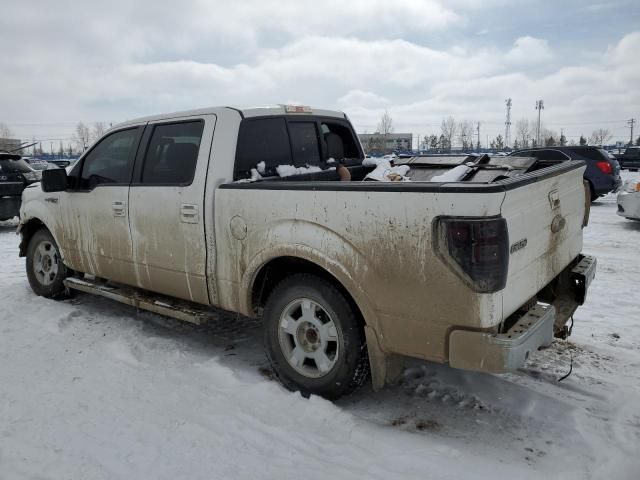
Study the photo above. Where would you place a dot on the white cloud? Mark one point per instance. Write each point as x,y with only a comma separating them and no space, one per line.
360,98
529,50
363,57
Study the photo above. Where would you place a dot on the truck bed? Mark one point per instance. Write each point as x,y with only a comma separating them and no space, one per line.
379,240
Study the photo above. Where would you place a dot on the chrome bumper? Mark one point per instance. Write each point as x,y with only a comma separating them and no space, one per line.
502,352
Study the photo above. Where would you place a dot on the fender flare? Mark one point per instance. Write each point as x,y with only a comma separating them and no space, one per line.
312,255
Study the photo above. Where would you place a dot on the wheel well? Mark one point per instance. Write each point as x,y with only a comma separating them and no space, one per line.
276,270
26,232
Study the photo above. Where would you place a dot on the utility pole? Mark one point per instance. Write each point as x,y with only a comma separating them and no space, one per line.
478,144
539,107
507,129
631,122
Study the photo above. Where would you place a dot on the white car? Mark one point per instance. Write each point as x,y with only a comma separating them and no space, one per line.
629,201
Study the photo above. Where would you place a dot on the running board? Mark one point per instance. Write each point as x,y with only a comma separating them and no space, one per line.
179,309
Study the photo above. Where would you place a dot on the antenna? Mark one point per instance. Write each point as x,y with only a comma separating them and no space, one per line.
631,122
539,107
507,123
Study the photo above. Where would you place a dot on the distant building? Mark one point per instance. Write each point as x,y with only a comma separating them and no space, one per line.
386,143
8,144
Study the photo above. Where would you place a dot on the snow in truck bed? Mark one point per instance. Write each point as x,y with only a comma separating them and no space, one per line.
90,389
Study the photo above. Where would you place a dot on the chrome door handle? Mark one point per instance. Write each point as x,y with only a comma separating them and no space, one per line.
119,209
189,213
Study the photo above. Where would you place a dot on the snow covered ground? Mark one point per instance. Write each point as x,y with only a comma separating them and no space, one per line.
90,389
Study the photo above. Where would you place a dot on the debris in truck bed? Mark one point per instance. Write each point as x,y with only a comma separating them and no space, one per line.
384,172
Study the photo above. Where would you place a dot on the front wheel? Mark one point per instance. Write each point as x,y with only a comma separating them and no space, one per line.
314,338
45,269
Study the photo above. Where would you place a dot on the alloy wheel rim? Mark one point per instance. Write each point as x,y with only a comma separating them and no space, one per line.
45,263
308,338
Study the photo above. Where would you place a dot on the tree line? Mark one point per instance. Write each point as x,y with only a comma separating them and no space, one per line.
463,135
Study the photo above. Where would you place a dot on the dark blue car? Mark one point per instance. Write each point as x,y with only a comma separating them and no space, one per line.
603,171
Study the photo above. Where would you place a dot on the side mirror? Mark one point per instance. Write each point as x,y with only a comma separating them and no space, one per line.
54,180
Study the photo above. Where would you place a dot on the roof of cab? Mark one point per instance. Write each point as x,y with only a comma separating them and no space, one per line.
246,112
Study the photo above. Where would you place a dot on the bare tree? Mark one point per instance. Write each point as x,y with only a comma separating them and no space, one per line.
82,136
98,130
600,136
5,131
465,133
523,132
385,125
448,128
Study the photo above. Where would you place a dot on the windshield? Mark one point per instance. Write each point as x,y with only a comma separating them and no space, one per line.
14,166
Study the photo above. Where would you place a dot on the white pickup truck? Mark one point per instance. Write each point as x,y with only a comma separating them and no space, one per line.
182,212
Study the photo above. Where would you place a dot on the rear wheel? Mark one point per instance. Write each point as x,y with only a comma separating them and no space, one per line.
45,269
314,338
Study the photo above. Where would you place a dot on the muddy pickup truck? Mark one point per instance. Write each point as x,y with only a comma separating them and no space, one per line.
271,212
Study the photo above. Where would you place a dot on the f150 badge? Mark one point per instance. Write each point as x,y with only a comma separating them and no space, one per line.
519,245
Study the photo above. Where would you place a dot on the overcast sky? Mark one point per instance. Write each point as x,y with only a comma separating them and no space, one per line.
67,61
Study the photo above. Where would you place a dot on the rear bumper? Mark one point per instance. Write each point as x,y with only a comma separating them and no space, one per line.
610,185
503,352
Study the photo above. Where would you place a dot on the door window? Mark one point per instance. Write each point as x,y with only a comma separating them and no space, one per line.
173,153
110,161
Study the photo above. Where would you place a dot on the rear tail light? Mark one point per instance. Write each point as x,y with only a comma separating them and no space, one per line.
477,250
605,167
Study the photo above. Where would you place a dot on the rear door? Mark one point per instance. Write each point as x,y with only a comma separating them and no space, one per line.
167,209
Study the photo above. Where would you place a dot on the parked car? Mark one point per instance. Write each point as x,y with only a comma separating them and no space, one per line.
629,201
630,159
257,216
602,172
40,165
15,175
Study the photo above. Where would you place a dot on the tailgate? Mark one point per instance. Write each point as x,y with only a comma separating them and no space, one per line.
545,220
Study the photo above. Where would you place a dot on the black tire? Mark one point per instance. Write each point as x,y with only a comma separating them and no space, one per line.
45,271
350,364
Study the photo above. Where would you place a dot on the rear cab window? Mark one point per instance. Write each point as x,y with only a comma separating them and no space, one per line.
298,141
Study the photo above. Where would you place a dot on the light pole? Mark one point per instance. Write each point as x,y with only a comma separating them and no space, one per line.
539,107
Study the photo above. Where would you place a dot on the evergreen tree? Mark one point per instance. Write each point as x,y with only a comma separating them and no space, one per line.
583,141
563,140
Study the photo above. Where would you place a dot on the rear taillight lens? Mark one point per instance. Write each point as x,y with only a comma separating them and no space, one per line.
605,167
476,249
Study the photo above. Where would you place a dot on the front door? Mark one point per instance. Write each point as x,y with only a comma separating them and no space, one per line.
167,209
94,211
